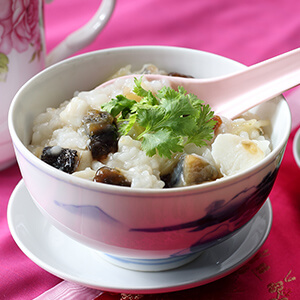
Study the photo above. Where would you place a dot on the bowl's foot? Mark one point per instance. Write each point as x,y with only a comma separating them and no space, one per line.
150,265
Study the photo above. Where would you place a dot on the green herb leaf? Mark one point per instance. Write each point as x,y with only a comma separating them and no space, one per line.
161,142
119,104
166,122
149,98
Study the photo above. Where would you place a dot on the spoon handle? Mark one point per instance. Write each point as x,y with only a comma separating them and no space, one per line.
236,93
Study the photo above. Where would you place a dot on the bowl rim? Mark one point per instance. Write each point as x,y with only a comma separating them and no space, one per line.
113,189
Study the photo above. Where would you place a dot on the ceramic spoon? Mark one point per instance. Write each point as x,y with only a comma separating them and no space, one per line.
236,93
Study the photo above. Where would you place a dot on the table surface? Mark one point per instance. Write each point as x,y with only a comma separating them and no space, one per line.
246,31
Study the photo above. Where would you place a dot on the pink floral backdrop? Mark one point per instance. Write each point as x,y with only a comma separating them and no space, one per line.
20,23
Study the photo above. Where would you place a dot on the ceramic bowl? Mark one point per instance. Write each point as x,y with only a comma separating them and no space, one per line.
141,229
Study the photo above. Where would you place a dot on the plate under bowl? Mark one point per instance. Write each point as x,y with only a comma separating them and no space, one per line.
62,256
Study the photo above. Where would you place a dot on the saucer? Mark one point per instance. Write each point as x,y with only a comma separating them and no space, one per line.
62,256
296,147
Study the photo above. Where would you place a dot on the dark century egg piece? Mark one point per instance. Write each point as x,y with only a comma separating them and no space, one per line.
102,130
111,176
191,169
60,158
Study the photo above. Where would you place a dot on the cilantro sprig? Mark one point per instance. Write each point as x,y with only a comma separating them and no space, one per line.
166,121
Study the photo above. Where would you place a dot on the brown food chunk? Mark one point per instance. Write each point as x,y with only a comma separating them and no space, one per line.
101,127
190,170
197,170
219,122
111,176
175,74
63,159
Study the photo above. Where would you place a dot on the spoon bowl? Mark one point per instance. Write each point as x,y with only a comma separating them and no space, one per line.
232,95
